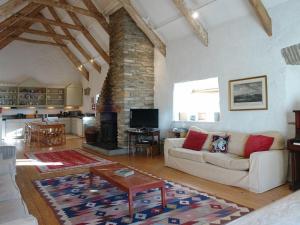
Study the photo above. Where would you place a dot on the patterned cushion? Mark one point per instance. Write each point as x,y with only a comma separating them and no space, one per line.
219,143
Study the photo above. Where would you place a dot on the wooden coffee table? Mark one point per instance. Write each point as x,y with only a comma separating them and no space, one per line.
132,184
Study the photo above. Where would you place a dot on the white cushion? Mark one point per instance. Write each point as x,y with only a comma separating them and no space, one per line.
8,188
12,210
187,154
7,166
237,141
207,143
227,161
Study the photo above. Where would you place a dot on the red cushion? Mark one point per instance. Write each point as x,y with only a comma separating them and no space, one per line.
194,140
257,143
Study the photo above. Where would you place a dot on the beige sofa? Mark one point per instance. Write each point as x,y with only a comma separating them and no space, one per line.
13,210
261,172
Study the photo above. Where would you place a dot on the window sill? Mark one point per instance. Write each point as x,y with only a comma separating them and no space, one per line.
199,121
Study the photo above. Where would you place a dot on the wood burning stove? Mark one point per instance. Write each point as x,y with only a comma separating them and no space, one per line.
108,135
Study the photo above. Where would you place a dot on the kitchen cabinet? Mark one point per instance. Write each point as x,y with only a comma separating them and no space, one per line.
15,128
67,123
73,95
77,127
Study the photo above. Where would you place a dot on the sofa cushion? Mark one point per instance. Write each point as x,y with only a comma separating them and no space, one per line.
257,143
237,142
8,188
194,140
208,142
187,154
219,143
228,161
12,210
279,141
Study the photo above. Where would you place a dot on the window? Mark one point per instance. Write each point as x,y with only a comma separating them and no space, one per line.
197,100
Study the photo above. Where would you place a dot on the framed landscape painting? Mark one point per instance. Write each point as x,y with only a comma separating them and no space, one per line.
248,94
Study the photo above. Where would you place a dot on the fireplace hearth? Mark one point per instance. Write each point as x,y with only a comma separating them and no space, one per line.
108,135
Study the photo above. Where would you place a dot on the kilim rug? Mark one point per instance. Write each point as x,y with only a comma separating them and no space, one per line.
75,202
64,159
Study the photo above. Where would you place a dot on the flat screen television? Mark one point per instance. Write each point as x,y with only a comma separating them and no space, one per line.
144,118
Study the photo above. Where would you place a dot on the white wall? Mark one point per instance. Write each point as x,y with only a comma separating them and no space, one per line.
47,64
236,50
95,84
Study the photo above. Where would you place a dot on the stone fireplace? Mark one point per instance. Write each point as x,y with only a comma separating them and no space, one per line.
130,79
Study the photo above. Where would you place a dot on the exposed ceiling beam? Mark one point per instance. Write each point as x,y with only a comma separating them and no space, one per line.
74,41
41,33
153,37
5,40
197,27
112,7
8,7
263,15
49,22
88,36
12,20
99,17
38,41
69,54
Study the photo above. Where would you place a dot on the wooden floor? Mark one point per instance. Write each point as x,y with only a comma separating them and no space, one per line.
39,208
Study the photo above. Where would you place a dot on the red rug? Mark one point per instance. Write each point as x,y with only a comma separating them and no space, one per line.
63,159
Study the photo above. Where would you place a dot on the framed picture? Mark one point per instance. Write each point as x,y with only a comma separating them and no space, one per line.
87,91
248,94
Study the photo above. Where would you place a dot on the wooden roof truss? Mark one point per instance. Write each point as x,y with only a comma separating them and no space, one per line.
21,20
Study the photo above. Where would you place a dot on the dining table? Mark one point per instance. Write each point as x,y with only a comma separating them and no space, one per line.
45,133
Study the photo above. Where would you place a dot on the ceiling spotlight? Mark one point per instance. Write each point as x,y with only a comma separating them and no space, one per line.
195,15
91,60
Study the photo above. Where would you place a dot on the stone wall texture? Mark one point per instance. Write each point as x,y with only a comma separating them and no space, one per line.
130,80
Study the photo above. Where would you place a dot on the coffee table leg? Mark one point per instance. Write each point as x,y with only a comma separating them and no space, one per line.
163,196
91,178
130,203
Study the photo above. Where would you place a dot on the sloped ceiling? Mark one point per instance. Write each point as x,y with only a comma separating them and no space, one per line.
161,15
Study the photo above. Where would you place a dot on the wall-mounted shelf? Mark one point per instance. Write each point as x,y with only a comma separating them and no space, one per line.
31,97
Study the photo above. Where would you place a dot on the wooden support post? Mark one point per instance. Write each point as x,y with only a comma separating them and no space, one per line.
75,9
197,27
48,22
88,36
38,41
41,33
69,54
74,42
100,18
263,15
153,37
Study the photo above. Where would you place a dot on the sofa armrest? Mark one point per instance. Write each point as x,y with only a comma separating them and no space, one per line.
268,170
172,143
29,220
8,160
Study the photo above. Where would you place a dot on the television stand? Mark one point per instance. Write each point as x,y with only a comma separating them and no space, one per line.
138,138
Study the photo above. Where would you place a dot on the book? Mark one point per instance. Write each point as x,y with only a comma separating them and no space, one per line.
124,172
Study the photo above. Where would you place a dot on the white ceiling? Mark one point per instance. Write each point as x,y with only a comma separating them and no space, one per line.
166,19
162,16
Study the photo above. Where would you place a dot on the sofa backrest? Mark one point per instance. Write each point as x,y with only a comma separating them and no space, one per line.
238,140
207,143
